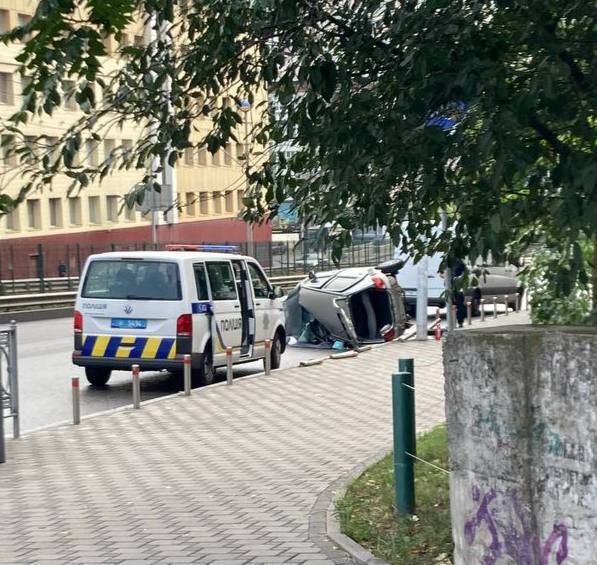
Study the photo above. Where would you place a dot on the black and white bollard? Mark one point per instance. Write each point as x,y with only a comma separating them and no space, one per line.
229,365
517,303
469,313
482,309
268,356
76,401
494,307
506,302
136,387
187,375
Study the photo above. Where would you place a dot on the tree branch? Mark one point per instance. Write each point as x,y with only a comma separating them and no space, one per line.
575,70
548,135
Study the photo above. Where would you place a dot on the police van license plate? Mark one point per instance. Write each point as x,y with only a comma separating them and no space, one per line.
129,323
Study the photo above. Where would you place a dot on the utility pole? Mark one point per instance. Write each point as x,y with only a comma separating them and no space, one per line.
245,107
158,33
422,297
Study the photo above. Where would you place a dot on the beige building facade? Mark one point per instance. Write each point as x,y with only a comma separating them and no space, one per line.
208,188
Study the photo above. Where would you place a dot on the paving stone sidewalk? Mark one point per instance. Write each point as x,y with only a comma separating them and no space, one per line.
227,476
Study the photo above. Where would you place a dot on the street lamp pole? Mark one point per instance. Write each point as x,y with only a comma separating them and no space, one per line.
245,107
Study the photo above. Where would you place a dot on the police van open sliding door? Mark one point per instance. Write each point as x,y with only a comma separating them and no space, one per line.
227,316
247,308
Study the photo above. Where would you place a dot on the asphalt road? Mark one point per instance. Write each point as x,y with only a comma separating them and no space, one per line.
45,371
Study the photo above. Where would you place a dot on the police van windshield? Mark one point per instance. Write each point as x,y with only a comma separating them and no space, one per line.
132,280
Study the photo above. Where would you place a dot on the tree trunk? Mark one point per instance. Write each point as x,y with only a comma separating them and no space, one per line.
594,283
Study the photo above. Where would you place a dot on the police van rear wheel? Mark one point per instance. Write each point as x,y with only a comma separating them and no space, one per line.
97,376
205,374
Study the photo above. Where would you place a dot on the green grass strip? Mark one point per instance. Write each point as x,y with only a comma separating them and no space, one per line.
366,512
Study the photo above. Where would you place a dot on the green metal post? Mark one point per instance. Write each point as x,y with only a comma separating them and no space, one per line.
403,403
408,366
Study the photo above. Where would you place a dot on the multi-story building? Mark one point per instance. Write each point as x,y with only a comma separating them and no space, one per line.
207,189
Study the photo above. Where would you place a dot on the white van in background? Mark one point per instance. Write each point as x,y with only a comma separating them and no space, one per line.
151,308
499,281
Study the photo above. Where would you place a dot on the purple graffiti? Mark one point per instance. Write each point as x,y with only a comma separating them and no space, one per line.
507,539
484,515
560,533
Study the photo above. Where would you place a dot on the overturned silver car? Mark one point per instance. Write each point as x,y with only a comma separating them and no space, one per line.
352,306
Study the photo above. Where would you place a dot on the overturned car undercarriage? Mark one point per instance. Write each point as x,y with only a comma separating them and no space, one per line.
347,307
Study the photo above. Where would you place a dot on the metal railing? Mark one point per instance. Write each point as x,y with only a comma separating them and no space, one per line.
66,299
9,388
37,268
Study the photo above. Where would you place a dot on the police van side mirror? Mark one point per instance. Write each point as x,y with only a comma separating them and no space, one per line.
276,292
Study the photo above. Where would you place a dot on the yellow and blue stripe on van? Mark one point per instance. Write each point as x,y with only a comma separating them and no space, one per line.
129,347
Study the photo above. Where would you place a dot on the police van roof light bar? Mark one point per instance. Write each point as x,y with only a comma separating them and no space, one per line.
203,247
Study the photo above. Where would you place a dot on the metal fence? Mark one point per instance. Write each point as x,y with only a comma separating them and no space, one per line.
50,267
9,389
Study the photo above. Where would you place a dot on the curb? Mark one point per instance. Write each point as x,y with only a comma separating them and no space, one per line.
324,529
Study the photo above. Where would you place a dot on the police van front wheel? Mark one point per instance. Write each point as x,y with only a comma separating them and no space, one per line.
276,352
97,376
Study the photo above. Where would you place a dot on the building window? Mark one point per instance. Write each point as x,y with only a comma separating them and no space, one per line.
240,151
25,82
201,106
4,21
23,19
107,41
229,201
74,211
217,202
8,156
91,151
188,156
112,208
68,88
55,212
94,210
127,148
130,214
138,40
239,199
106,95
190,204
227,155
31,145
33,214
125,40
13,220
202,156
215,158
6,89
51,148
109,146
204,204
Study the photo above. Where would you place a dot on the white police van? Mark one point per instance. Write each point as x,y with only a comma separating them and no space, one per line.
151,308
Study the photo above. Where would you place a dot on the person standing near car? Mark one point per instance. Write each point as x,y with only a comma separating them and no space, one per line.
458,294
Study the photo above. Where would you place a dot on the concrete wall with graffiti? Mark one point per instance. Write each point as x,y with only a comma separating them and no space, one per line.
521,405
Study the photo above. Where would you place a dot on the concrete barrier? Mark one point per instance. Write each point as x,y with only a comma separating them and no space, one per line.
521,404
